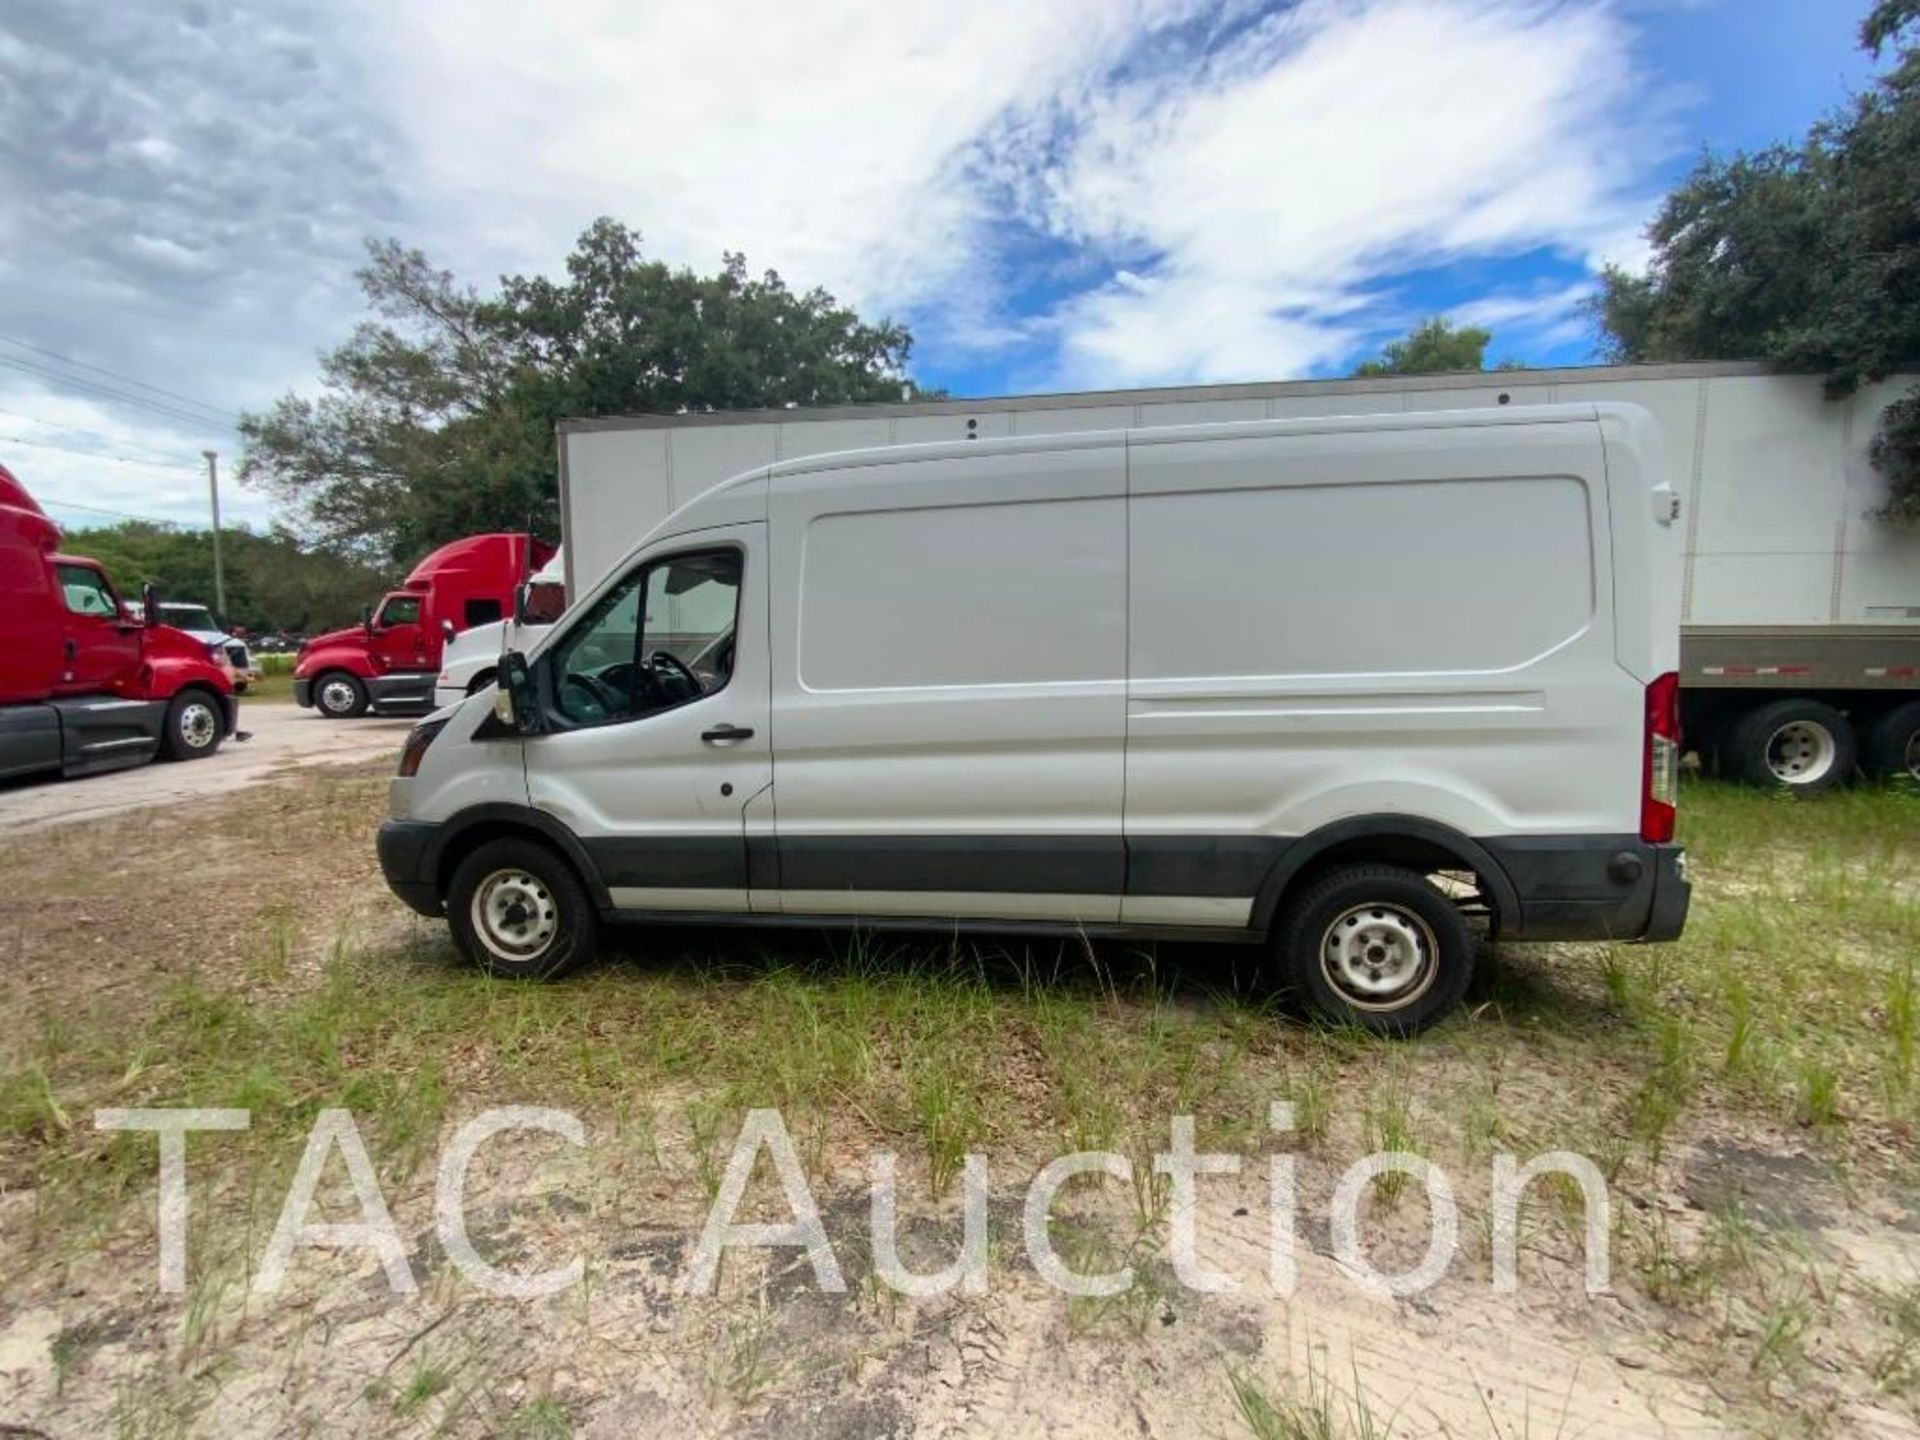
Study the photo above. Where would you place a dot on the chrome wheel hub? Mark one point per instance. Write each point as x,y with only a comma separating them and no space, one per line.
199,727
1378,957
337,696
514,915
1801,753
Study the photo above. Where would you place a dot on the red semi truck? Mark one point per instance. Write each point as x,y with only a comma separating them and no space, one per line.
85,686
388,662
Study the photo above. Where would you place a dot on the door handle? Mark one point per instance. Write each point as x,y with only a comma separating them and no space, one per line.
720,734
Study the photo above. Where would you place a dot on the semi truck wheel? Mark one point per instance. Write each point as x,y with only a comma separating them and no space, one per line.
517,910
194,727
1378,947
1803,746
339,696
1892,747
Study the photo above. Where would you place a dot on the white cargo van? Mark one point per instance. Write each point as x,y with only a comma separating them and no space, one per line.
1292,680
470,659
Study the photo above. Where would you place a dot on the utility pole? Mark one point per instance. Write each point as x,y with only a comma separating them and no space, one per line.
219,574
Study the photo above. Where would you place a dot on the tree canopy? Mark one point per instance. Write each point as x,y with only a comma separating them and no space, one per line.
437,413
1805,254
1433,347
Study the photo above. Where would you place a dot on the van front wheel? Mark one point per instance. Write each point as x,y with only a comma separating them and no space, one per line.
517,910
1378,947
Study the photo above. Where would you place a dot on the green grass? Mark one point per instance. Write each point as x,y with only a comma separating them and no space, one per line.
1789,1005
271,689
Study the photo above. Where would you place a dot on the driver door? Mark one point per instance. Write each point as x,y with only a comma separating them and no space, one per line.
101,647
657,734
399,643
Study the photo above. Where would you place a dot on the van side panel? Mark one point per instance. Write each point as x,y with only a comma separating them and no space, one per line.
949,685
1413,622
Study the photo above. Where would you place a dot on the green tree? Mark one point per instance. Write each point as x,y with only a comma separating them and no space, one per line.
1806,254
274,583
436,417
1433,347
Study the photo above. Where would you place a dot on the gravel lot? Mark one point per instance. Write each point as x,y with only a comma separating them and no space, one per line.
285,738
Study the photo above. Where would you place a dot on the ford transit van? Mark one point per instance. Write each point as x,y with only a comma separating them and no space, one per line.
1348,687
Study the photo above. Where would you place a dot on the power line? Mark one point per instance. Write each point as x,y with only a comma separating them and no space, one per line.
102,510
91,434
116,375
91,387
6,440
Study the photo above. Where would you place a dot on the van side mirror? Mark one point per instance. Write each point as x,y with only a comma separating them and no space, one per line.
149,604
516,700
521,611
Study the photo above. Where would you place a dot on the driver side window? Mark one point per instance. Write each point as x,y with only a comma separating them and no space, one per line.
662,637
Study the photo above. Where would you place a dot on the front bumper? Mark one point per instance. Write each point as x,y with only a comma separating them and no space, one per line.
1594,887
408,852
303,690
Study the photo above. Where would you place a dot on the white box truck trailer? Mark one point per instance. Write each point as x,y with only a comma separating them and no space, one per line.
1245,681
1800,611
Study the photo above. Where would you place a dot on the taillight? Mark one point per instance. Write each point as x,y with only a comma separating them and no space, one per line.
1660,769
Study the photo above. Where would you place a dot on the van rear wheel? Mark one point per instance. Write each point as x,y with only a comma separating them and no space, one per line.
1377,946
517,910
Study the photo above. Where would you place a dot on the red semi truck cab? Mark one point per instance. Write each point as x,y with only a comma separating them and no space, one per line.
389,661
84,686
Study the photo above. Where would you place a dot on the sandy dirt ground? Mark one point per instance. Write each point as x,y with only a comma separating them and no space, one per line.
284,738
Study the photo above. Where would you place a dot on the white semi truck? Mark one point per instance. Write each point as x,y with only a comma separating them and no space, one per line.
1801,610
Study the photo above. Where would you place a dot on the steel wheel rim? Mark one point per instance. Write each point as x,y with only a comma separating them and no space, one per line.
198,727
1913,753
1379,957
337,696
1801,752
515,915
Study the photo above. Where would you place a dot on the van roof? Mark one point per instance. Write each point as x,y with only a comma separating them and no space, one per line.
1565,413
1161,395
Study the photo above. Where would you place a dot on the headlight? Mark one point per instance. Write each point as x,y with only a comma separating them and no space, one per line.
415,750
217,653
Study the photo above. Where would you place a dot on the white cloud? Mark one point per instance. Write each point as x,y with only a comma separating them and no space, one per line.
828,140
1258,180
1341,146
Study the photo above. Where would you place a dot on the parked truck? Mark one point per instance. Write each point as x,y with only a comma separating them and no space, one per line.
86,684
1800,654
389,661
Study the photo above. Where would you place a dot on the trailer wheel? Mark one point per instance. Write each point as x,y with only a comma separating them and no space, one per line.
517,910
1892,747
194,727
1377,946
1801,746
339,696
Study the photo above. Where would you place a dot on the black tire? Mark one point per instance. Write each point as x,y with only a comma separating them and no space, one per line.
540,898
196,723
1412,927
480,682
1891,748
1804,747
339,696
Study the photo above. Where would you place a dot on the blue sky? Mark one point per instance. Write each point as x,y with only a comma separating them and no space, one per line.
1056,194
